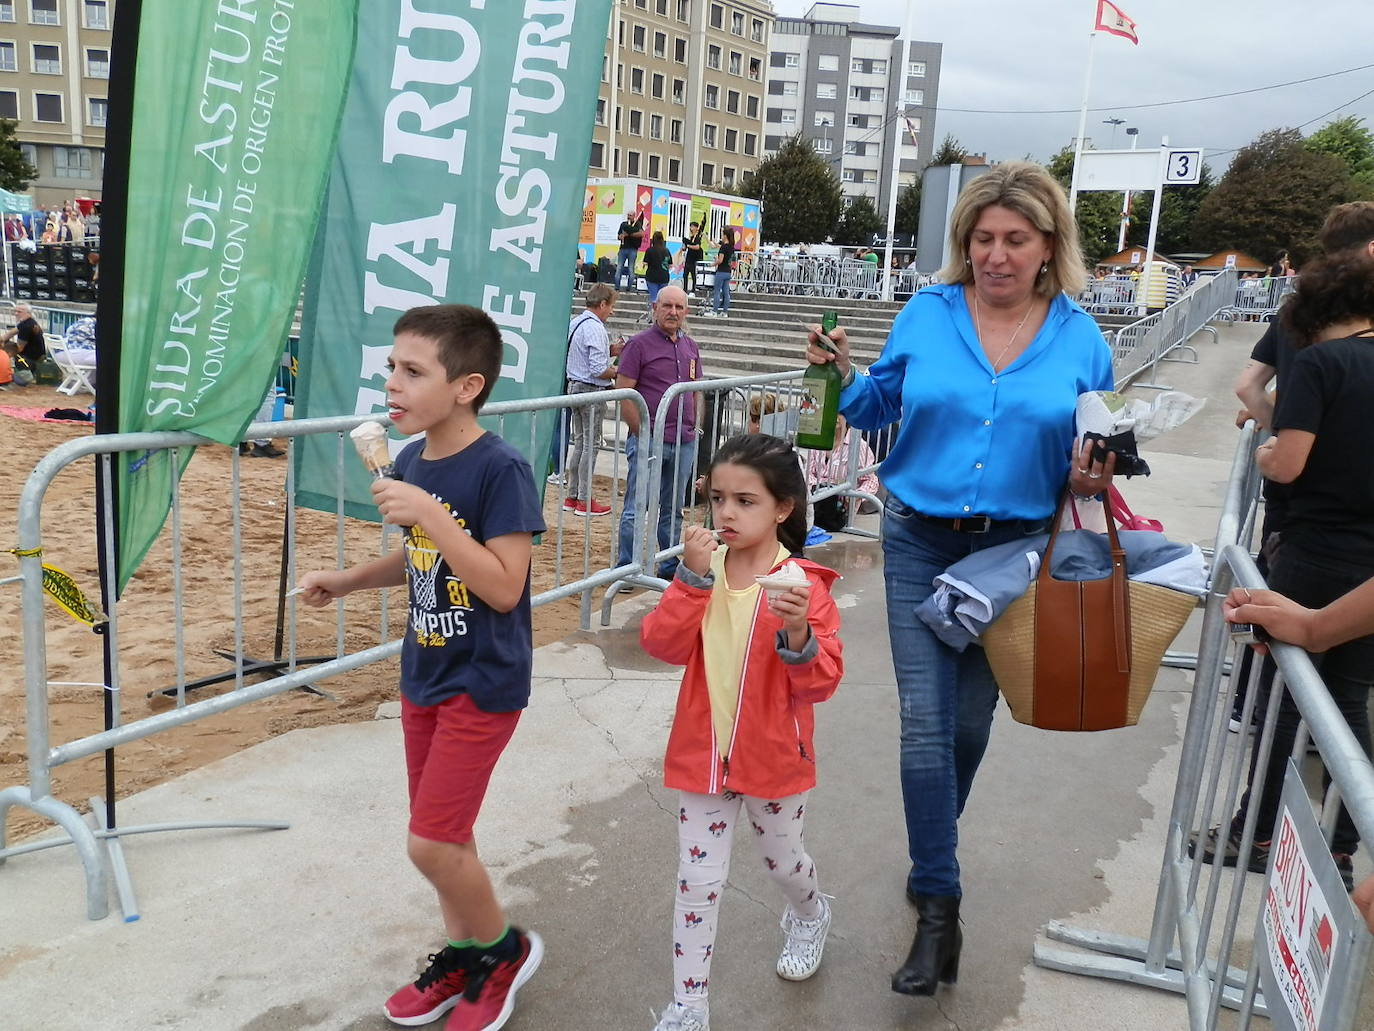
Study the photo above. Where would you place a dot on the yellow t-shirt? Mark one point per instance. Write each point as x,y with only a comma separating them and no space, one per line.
725,637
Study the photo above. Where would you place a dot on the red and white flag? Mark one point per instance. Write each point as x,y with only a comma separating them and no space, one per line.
1113,19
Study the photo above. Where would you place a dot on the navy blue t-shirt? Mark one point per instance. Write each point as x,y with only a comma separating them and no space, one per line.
455,643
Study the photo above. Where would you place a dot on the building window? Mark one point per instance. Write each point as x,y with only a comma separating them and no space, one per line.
828,63
870,175
643,5
655,127
47,107
679,91
605,67
684,13
825,91
787,116
7,10
727,178
680,50
9,59
29,152
9,107
656,86
618,119
598,155
661,7
713,57
97,63
751,143
708,136
620,76
824,118
756,69
660,44
791,60
848,175
47,59
824,145
731,140
637,80
732,101
736,63
615,161
97,111
675,130
636,123
600,111
737,23
654,163
632,163
43,12
712,96
637,35
858,121
916,69
72,163
717,16
756,30
857,65
708,174
878,66
915,96
674,170
850,147
789,89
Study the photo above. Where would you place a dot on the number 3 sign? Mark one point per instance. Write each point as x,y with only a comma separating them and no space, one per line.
1184,168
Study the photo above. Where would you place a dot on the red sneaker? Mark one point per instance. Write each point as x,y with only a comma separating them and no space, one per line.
570,504
436,991
595,508
489,998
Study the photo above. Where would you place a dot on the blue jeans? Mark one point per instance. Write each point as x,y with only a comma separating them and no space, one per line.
946,698
625,266
654,288
672,489
720,290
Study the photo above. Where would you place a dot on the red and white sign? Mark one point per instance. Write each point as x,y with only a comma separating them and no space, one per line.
1299,930
1113,19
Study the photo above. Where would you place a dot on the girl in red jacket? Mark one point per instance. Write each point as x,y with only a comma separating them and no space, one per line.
740,749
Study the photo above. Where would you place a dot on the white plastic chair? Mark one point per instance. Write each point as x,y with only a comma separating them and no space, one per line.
78,367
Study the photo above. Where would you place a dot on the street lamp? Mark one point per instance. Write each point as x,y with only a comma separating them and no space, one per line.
1134,134
1114,122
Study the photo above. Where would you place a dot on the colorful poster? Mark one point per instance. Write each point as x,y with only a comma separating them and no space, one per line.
467,130
235,114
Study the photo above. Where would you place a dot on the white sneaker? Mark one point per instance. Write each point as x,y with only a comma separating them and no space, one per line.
555,478
678,1017
801,954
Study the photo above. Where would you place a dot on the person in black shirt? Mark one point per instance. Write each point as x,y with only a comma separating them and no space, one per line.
692,253
29,335
1323,448
657,261
631,236
720,284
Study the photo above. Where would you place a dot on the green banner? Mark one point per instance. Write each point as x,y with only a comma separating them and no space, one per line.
459,178
236,109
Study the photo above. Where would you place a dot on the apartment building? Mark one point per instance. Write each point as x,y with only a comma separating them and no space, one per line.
838,82
682,91
54,77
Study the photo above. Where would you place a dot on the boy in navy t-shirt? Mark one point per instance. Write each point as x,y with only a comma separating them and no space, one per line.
469,505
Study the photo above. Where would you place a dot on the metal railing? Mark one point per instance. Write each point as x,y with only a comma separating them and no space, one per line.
1212,764
1258,300
1140,347
821,276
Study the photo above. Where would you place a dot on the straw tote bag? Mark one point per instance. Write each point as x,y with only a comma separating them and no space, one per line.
1083,655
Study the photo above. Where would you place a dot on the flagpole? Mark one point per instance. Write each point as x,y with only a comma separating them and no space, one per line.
1082,123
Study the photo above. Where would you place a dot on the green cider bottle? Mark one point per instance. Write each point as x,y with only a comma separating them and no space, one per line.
820,399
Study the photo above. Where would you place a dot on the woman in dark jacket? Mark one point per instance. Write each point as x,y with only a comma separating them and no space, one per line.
657,260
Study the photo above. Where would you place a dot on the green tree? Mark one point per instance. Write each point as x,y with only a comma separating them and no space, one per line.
1274,197
15,172
1098,212
909,208
799,191
950,152
857,223
1348,139
1177,211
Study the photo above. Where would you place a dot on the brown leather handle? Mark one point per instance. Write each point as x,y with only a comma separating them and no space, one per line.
1120,596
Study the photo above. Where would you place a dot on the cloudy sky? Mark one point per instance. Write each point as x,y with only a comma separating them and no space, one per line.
1024,55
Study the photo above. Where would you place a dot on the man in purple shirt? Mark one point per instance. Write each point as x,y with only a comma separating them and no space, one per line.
651,363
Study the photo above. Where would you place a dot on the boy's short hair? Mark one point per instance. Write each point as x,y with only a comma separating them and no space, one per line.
1347,225
467,340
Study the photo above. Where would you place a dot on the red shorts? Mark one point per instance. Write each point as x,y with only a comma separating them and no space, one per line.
451,750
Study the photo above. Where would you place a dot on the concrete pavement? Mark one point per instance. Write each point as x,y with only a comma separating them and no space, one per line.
311,927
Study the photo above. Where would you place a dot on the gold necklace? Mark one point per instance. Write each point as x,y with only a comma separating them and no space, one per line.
978,327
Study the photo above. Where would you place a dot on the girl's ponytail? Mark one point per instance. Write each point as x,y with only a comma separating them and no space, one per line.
780,469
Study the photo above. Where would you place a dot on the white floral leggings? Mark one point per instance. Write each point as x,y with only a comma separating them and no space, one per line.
706,828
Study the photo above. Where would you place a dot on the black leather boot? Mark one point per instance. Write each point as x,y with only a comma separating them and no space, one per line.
934,955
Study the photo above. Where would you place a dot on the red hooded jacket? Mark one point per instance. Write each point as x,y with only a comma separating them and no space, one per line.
770,752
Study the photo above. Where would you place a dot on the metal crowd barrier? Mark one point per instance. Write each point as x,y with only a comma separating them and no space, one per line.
1258,300
285,672
1195,941
821,276
1140,347
1111,295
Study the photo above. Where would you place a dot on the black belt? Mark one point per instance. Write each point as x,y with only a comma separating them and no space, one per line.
964,524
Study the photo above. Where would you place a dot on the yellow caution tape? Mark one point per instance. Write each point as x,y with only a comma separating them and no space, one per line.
64,590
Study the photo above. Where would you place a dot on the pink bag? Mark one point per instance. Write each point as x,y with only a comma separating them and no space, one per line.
1121,512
